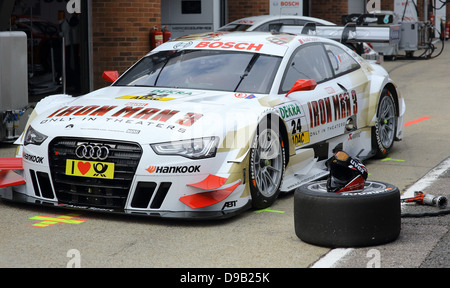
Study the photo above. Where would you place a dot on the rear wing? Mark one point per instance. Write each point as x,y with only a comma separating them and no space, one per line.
350,33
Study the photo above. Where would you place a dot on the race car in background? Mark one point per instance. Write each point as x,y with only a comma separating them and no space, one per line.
206,126
264,22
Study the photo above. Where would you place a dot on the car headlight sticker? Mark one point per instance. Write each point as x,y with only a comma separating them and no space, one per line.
199,148
34,137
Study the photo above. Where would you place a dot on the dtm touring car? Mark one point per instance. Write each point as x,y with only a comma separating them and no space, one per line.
206,126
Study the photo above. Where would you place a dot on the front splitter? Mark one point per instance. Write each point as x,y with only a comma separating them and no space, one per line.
10,195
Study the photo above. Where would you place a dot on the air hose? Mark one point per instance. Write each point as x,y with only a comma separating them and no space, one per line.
422,198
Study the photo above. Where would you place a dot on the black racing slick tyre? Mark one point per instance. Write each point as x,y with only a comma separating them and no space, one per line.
267,164
367,217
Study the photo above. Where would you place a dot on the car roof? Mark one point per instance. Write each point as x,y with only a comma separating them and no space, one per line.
246,41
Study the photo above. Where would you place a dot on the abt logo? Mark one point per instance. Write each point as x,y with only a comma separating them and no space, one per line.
73,6
373,5
229,204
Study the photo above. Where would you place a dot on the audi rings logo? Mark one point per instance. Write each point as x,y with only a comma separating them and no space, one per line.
92,151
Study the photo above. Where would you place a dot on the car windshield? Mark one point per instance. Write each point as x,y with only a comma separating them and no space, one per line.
235,27
204,69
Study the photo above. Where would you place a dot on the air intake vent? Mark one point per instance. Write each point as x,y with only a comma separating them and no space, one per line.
145,193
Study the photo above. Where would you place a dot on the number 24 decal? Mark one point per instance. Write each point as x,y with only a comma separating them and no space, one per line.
296,125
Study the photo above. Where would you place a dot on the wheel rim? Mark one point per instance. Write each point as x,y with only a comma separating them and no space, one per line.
368,187
386,121
268,163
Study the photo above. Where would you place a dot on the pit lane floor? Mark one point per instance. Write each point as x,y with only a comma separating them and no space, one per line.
257,239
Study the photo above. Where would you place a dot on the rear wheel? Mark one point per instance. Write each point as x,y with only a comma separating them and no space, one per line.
266,165
386,125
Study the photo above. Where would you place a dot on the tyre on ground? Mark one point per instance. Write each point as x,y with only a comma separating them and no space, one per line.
367,217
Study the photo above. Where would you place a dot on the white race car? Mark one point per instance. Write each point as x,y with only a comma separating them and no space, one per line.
206,126
263,22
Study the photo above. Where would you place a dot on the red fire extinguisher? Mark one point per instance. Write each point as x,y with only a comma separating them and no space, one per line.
156,37
167,35
447,30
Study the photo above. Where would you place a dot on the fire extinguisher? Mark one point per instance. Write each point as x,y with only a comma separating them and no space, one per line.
156,37
447,30
167,35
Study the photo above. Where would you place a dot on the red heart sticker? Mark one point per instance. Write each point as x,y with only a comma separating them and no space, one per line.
84,167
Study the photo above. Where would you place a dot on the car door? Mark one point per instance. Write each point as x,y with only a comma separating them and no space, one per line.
352,81
319,114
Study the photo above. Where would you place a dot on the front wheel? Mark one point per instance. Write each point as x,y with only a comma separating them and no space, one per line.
267,164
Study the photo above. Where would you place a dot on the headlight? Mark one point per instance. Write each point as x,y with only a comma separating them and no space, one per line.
199,148
34,137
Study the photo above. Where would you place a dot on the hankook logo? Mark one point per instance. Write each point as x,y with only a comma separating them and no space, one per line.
173,169
33,158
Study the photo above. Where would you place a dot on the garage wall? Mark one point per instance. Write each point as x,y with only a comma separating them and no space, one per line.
239,9
120,34
331,10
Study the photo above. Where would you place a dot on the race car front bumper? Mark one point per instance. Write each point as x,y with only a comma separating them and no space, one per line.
9,194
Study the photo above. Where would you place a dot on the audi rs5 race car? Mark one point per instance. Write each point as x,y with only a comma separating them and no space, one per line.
206,126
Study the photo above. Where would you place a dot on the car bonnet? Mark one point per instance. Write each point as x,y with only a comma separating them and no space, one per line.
149,114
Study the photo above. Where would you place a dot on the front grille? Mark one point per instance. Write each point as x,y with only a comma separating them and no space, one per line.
94,192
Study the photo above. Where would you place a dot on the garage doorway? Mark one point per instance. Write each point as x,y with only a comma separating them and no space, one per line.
183,17
47,23
356,6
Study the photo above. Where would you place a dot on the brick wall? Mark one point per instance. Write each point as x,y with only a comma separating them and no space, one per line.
331,10
120,31
239,9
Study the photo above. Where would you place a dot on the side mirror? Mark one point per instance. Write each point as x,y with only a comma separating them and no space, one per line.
303,85
110,76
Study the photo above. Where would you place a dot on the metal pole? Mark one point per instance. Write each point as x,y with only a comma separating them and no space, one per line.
64,64
32,40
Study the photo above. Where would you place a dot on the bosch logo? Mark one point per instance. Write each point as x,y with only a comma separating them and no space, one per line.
92,151
290,3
